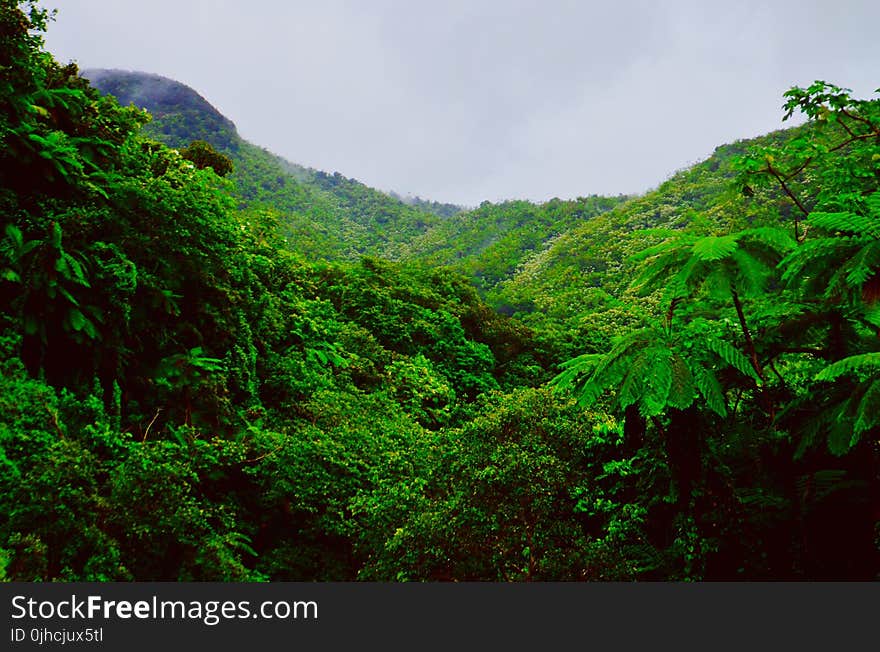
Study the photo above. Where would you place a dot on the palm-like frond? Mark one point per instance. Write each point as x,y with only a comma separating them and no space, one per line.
732,357
714,248
708,385
685,263
841,261
846,223
868,413
682,387
650,369
859,366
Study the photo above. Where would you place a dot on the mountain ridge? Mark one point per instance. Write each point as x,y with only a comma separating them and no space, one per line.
507,249
322,215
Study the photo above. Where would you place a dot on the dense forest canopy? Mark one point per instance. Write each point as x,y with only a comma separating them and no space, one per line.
218,365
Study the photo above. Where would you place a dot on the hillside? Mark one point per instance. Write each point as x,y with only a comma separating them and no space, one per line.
584,271
334,217
323,215
489,243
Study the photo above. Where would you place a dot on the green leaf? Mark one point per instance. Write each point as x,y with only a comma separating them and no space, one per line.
733,357
779,240
77,319
715,247
846,223
67,295
710,388
855,365
15,235
841,438
681,388
863,265
868,413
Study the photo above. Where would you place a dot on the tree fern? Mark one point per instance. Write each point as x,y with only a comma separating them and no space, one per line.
839,262
795,265
773,239
749,273
857,409
872,201
657,382
871,316
634,385
841,436
651,369
863,265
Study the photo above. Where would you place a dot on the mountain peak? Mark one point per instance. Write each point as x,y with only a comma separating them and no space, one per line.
166,98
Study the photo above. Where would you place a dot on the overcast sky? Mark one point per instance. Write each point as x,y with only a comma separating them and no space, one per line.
463,101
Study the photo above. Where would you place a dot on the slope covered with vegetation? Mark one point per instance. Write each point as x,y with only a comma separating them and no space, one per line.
324,215
334,217
489,243
690,390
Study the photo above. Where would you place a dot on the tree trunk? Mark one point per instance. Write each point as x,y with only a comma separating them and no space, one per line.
684,447
634,427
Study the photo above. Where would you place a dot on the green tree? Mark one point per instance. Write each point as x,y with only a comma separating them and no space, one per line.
204,156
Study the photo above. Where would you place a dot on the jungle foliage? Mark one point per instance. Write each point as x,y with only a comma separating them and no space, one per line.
218,368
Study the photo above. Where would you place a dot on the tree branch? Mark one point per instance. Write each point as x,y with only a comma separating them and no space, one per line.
788,192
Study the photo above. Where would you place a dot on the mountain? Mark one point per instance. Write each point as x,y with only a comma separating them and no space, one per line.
328,215
323,215
555,265
180,114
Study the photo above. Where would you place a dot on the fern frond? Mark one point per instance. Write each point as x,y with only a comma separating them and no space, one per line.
13,233
678,245
751,274
587,389
841,437
868,412
633,386
872,315
604,377
582,365
623,346
846,223
586,380
714,247
810,253
873,203
658,381
779,240
717,282
710,388
732,356
647,279
863,265
855,365
681,388
810,432
678,286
